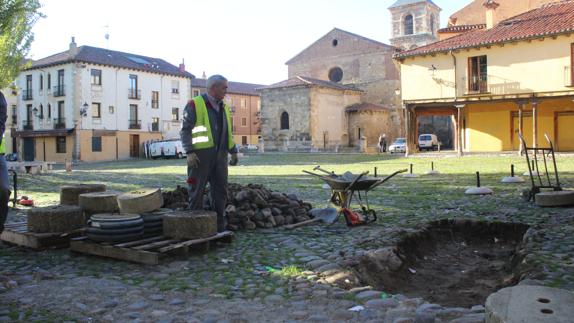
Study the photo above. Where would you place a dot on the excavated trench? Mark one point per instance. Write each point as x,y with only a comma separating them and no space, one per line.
450,262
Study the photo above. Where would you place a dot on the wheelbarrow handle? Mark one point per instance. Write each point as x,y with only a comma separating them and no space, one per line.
318,167
387,178
314,174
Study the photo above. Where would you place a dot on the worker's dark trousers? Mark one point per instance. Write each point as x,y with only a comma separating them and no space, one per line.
213,169
4,192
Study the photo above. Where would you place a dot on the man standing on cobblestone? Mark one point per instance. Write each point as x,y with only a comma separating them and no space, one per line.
207,137
4,186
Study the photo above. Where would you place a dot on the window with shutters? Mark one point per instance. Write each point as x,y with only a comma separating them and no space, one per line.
477,74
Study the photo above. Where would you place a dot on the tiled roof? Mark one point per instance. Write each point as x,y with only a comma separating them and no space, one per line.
548,20
454,29
233,87
367,107
400,3
307,81
95,55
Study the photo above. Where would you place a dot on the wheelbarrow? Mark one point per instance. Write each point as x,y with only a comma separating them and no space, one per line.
348,187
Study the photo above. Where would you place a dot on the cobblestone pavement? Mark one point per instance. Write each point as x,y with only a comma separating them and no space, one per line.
278,275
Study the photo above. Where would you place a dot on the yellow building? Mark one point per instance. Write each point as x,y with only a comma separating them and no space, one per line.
516,77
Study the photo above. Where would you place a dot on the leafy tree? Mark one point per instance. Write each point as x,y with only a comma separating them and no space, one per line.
17,17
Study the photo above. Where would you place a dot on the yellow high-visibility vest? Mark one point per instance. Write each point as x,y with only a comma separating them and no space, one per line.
201,137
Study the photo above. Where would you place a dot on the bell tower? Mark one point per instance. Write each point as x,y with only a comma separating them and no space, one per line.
414,23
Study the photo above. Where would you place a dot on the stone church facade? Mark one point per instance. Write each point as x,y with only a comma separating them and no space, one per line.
342,88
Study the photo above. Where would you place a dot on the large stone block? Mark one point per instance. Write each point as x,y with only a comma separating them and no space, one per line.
530,304
190,224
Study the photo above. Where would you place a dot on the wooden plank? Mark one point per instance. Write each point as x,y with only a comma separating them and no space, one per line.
92,248
20,239
195,242
139,242
154,245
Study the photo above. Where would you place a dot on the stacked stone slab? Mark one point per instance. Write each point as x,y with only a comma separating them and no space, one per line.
252,206
140,201
190,225
70,194
99,202
55,219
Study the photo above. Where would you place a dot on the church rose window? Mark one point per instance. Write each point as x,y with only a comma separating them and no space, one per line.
409,27
284,120
335,74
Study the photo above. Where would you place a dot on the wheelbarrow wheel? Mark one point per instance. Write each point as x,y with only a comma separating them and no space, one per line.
527,195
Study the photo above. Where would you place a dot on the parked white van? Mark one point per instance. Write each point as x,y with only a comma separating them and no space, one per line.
166,149
428,142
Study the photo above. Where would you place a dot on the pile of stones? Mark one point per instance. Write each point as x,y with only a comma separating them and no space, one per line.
250,207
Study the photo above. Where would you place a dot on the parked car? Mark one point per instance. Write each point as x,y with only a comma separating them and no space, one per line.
398,146
428,142
166,149
250,147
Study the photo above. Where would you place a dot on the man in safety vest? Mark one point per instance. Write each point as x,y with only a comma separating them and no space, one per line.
4,186
206,135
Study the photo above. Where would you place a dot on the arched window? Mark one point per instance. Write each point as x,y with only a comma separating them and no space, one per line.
284,120
432,24
408,25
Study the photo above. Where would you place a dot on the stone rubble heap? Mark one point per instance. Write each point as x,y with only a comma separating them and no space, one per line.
250,207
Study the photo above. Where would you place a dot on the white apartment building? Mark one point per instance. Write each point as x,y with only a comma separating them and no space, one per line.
90,104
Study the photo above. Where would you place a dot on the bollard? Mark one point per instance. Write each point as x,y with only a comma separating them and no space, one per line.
431,165
375,171
512,178
410,168
477,179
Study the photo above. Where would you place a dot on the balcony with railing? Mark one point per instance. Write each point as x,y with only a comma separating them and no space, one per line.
58,90
155,126
27,124
135,124
134,94
27,95
59,123
569,76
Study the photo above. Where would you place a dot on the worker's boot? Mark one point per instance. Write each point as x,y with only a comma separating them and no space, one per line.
221,223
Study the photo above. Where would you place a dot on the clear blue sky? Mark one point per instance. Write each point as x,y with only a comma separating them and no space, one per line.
247,41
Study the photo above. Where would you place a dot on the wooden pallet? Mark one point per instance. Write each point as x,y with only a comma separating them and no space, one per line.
150,251
18,234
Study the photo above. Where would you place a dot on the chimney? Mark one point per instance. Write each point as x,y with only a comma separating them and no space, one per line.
182,66
490,6
203,76
73,47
